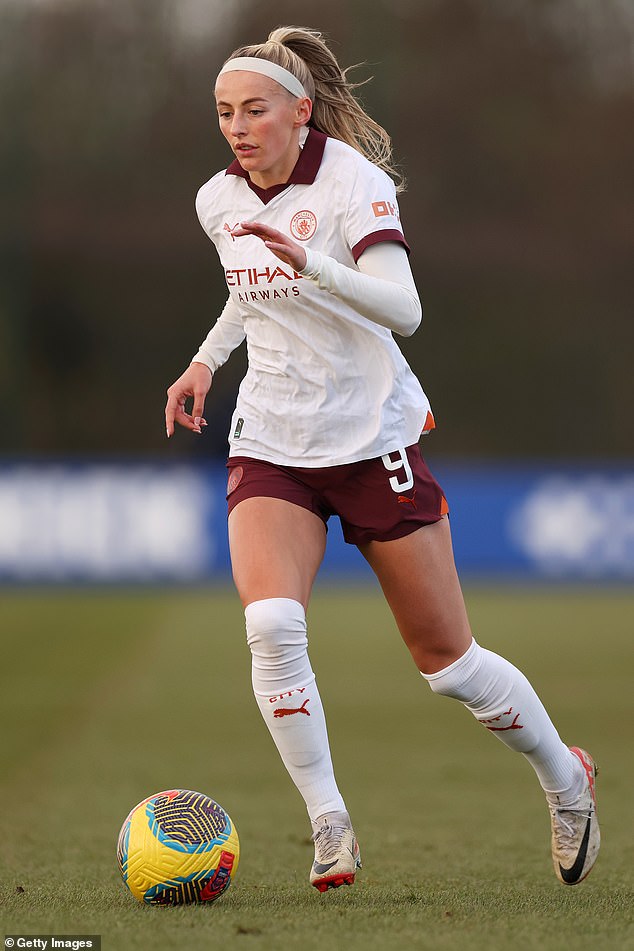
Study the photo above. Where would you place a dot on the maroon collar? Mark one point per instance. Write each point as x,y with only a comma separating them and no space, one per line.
304,173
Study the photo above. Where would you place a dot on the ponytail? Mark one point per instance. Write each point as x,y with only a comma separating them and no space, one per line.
336,111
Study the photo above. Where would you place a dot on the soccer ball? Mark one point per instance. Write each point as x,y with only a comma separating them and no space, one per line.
178,847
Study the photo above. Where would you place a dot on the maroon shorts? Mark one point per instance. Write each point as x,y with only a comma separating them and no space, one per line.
376,499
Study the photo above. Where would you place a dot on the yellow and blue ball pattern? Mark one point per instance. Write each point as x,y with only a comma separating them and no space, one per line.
177,847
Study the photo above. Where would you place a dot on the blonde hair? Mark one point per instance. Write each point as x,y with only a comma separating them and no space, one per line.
336,111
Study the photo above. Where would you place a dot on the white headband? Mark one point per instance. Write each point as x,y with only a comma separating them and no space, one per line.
253,64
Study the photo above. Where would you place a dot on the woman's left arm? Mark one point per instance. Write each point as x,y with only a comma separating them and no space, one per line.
382,290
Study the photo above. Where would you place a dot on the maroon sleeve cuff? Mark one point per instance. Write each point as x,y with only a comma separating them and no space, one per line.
387,234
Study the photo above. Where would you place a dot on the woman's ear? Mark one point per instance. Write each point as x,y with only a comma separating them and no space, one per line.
304,110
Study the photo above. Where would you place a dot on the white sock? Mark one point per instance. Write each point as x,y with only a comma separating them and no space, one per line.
502,699
286,693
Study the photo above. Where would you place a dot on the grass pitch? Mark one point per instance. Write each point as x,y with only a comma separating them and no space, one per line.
107,697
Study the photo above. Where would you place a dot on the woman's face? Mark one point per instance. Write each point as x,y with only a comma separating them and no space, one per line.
261,121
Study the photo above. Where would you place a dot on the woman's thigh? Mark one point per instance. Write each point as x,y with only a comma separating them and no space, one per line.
419,579
276,549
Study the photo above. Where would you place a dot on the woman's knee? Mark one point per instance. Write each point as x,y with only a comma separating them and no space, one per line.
275,627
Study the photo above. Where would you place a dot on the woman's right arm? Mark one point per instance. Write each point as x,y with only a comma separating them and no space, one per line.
223,338
225,335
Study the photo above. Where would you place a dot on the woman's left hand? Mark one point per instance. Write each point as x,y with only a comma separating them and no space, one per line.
276,241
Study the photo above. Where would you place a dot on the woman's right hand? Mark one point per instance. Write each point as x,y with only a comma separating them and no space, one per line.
195,383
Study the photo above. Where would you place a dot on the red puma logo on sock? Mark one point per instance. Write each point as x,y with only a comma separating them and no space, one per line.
499,729
287,711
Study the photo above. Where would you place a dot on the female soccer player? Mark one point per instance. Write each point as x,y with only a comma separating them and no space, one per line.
306,223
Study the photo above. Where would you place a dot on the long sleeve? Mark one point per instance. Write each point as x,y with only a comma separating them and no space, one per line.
383,288
223,338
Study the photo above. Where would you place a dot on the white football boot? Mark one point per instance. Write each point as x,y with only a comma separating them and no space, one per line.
337,855
575,829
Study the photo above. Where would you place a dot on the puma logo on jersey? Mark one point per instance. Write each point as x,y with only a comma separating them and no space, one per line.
231,229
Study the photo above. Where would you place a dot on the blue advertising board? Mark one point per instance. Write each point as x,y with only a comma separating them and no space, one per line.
156,523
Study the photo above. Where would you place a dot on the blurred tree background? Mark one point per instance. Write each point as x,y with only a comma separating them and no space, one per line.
512,120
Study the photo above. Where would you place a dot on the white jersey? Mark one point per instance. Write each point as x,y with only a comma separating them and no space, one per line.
325,385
